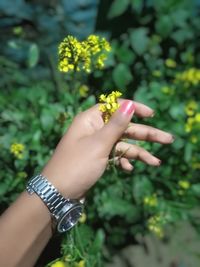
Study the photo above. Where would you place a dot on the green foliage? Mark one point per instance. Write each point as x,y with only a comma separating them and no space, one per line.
154,60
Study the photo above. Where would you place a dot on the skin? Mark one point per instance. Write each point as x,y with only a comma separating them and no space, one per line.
25,227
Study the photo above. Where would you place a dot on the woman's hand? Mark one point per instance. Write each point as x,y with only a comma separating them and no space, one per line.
82,154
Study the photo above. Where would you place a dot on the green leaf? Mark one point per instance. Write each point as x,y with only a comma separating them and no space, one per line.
137,5
117,8
177,111
164,26
33,55
98,242
115,206
125,55
122,76
141,188
188,152
139,40
47,119
88,102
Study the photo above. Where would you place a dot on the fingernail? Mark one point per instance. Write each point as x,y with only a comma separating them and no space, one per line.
153,114
173,138
127,107
159,162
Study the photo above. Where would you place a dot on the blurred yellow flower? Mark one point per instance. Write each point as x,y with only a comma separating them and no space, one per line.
151,201
167,90
194,139
109,104
189,77
80,264
191,107
83,90
157,73
197,117
170,63
155,225
17,150
83,218
59,264
184,184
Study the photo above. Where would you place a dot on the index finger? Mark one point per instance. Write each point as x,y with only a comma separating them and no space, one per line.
141,110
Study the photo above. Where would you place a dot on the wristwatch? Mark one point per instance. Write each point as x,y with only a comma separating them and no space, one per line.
65,212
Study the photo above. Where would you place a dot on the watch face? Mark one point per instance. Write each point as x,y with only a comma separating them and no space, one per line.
70,218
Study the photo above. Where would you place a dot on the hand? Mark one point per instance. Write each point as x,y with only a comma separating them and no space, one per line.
82,154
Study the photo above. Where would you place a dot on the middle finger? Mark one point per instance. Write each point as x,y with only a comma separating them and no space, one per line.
147,133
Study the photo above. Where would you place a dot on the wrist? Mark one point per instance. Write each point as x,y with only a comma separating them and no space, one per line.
65,212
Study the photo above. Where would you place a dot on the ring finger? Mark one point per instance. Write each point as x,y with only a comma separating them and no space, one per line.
130,151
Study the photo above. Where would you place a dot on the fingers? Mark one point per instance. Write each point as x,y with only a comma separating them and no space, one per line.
125,164
147,133
118,123
130,151
141,110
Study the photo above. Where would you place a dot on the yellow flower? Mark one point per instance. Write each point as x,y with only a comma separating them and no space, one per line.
184,184
197,117
170,63
167,90
194,139
189,77
59,264
109,105
189,124
83,218
151,201
157,73
17,150
80,263
191,107
155,224
83,90
75,55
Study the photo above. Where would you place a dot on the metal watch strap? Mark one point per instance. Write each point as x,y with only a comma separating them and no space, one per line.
48,193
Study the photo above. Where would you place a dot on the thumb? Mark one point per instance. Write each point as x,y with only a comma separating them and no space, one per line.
113,130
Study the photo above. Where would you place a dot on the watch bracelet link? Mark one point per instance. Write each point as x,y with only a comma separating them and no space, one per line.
48,193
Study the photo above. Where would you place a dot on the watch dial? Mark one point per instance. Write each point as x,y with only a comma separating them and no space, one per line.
70,219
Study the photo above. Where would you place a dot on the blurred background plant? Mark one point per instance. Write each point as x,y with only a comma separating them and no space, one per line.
154,59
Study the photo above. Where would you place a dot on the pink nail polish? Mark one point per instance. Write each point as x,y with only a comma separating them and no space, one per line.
127,107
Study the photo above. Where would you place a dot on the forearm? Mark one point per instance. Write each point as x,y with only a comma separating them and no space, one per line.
25,229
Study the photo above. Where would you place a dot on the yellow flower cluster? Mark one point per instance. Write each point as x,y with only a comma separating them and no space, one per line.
108,104
193,116
170,63
184,184
151,201
189,77
75,55
17,150
59,264
155,225
191,108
